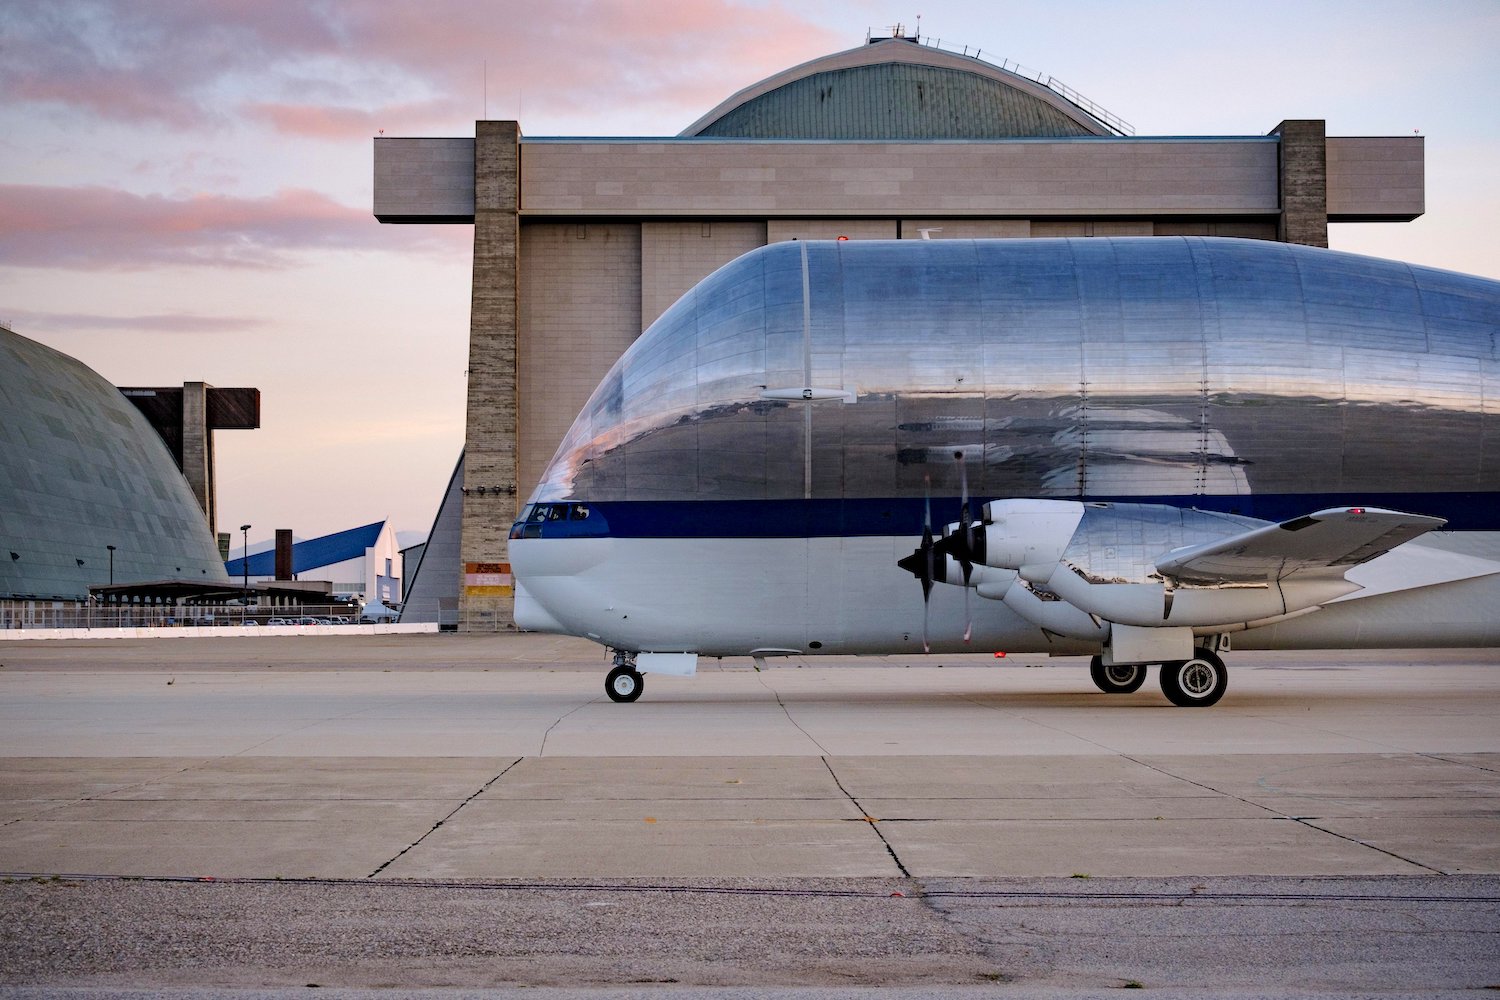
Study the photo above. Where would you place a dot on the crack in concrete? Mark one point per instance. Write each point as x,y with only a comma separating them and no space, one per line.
874,823
542,750
787,712
482,789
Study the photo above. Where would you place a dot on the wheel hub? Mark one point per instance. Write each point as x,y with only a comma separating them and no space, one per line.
1197,678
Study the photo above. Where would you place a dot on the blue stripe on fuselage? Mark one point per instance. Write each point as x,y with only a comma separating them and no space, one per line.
905,515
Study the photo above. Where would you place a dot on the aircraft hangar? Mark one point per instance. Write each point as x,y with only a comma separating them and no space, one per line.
580,243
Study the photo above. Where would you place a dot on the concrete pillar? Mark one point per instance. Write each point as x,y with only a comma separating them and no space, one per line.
283,553
489,489
1303,178
198,448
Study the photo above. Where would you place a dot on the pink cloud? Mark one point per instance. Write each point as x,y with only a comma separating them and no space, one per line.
101,228
24,320
343,123
146,61
588,55
170,62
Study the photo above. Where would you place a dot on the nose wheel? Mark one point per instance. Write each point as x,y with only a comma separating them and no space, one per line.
624,683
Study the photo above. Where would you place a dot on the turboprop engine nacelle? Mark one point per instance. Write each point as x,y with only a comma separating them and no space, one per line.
1029,536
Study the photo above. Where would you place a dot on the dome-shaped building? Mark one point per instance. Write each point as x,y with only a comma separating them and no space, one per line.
897,88
85,482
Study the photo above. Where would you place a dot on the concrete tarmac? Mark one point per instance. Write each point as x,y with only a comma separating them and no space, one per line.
471,812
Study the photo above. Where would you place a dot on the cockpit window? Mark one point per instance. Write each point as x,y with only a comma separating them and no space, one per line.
562,519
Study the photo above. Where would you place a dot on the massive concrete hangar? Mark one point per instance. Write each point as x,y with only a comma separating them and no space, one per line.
580,243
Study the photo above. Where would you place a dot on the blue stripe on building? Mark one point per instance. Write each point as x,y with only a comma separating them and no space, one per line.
324,550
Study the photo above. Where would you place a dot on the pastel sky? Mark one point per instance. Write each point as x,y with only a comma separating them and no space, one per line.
185,187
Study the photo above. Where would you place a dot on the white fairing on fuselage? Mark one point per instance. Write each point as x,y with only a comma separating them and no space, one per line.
731,597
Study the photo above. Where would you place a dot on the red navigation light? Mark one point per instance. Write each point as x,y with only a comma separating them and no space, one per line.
843,239
999,656
1356,510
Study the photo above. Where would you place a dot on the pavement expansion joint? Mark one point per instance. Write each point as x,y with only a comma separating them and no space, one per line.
1305,821
1460,763
482,789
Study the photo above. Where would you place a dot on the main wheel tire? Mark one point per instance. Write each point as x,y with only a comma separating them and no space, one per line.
1195,683
624,684
1118,679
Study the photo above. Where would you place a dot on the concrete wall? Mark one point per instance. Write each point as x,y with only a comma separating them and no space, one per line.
489,486
1024,178
782,230
1376,179
219,632
424,180
675,256
1303,171
580,308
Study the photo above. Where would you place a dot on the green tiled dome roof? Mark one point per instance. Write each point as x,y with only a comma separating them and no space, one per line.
81,469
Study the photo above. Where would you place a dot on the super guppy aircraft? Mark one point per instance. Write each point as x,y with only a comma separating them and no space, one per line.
1136,450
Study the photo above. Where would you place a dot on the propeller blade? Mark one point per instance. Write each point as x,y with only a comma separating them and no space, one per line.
966,532
927,554
920,563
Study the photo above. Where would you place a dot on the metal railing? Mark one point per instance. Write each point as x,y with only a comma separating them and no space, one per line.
17,615
1092,108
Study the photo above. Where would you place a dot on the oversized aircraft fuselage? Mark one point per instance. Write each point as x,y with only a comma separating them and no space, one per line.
751,471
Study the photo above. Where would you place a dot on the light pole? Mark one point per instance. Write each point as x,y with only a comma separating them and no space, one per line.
245,561
111,564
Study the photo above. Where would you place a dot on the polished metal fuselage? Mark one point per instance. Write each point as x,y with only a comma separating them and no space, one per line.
1067,368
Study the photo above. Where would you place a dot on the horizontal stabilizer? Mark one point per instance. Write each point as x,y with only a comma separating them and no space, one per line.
1328,542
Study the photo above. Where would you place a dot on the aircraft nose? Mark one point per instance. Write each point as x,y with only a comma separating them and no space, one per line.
532,616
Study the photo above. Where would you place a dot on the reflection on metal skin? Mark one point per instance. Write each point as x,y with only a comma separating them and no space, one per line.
1181,367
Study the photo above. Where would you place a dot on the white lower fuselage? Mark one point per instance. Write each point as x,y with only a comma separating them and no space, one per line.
845,595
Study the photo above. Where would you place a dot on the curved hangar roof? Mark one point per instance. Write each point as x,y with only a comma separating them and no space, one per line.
80,470
896,88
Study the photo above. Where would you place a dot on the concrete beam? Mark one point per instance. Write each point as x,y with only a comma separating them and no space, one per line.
1376,178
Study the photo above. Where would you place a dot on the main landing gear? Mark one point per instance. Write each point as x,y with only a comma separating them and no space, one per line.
1195,683
624,682
1121,678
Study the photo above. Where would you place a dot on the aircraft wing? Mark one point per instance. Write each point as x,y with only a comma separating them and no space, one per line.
1328,542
